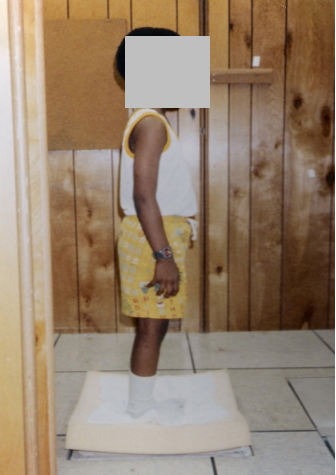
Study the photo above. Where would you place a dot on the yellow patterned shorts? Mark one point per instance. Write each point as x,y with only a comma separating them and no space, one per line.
137,265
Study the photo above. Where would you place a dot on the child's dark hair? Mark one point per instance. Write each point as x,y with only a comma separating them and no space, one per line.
145,31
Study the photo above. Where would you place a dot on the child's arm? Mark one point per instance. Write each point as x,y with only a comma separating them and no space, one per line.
150,137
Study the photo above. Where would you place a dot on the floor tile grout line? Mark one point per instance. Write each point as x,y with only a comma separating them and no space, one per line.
267,367
283,430
191,354
213,463
323,341
212,369
117,370
56,341
302,405
280,431
329,447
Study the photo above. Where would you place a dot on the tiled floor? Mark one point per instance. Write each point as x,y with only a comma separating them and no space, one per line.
283,383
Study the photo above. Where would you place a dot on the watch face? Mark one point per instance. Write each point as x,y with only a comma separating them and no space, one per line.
167,252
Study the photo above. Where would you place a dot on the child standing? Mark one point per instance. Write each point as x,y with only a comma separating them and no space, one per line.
157,198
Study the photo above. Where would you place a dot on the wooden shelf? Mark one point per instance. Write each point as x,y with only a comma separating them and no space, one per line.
242,76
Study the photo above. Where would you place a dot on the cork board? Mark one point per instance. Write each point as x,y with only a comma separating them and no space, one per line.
84,92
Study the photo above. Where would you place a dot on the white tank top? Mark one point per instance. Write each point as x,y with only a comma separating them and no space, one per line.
175,194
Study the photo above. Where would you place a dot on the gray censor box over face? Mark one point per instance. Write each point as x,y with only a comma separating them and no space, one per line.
167,71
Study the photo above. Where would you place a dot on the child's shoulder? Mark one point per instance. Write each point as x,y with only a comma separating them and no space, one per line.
149,127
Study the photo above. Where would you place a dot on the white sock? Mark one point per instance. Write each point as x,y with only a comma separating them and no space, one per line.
141,389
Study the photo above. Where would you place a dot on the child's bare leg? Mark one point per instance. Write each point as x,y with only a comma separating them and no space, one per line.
146,347
144,362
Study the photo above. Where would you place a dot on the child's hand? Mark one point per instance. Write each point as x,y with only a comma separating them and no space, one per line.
167,277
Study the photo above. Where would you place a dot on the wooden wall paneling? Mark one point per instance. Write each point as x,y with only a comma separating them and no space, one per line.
190,141
120,9
217,175
308,160
125,324
64,245
331,175
239,167
159,14
96,260
188,18
88,10
93,178
269,19
331,319
189,132
55,9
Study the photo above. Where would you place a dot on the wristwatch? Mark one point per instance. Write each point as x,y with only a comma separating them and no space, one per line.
164,253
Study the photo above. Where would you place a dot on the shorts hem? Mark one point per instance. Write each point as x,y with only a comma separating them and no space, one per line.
153,318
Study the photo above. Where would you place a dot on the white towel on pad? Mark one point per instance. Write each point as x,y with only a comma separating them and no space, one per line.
197,391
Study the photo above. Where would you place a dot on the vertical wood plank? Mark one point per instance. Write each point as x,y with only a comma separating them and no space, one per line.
189,136
309,115
158,13
217,175
331,176
267,167
93,178
96,260
124,323
331,319
88,10
121,9
63,233
239,167
55,9
188,17
189,133
64,249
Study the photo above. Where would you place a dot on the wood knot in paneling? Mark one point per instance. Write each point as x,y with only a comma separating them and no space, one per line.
277,144
89,240
325,117
330,178
298,101
237,193
259,168
39,334
247,39
289,42
219,270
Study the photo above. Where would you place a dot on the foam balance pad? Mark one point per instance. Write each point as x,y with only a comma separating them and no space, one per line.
209,421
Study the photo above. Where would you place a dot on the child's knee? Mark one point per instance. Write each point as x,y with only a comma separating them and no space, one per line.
153,330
